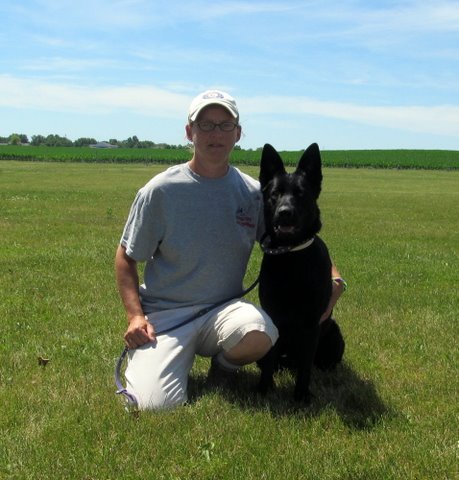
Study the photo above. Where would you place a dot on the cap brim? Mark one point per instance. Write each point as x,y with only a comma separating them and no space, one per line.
194,115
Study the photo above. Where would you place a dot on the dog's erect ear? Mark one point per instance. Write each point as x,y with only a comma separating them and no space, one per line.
271,164
310,164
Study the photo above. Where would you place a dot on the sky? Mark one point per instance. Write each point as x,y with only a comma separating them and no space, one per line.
346,74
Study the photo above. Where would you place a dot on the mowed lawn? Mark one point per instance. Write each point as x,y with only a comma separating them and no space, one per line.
389,412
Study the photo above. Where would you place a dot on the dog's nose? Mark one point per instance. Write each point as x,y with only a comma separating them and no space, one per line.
285,213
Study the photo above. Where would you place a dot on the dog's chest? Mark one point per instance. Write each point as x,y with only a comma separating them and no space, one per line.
291,272
295,284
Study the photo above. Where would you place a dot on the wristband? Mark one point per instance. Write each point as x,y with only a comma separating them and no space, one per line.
340,281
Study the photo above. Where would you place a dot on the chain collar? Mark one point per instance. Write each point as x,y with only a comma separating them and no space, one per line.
281,250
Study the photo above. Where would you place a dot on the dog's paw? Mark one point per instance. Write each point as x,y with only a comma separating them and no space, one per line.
264,386
303,396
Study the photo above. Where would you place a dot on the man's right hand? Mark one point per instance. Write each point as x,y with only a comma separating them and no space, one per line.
140,331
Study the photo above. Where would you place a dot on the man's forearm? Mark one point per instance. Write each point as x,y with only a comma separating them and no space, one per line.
127,280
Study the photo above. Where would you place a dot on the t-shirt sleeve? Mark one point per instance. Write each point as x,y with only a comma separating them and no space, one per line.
144,227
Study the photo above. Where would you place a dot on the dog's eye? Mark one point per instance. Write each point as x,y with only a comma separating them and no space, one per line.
274,196
298,191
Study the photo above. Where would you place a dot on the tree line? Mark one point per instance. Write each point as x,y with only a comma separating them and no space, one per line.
54,140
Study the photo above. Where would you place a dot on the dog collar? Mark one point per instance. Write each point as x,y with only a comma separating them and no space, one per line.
281,250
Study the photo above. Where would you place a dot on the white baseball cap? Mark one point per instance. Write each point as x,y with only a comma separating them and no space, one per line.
212,97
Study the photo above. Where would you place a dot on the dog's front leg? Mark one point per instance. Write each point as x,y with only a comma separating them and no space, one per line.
267,367
307,352
302,392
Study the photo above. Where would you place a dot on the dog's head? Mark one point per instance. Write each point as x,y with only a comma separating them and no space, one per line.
290,199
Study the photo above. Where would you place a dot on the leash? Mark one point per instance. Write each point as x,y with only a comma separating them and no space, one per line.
131,400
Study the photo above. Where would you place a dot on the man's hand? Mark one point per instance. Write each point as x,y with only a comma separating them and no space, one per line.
140,331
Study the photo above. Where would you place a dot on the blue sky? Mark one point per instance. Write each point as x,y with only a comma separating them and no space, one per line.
346,74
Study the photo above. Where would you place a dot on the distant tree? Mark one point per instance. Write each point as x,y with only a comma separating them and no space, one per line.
15,139
38,140
147,144
84,142
57,141
131,142
4,139
51,140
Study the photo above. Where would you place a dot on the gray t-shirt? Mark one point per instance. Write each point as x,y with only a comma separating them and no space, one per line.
195,235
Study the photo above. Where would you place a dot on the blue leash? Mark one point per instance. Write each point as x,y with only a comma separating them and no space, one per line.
121,390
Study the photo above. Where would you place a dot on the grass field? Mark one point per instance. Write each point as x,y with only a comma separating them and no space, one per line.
390,412
406,159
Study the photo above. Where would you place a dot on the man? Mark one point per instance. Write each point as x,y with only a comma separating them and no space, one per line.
194,226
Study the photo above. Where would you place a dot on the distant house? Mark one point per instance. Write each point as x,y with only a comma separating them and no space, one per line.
102,145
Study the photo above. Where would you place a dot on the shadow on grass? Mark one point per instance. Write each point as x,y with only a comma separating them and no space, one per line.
353,398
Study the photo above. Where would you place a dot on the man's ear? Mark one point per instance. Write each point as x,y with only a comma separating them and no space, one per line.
239,133
189,136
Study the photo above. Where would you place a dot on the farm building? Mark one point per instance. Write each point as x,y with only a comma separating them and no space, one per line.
102,145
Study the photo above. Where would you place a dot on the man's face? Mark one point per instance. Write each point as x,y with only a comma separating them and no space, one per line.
216,143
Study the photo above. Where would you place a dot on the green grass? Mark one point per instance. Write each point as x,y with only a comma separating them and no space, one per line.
398,159
390,412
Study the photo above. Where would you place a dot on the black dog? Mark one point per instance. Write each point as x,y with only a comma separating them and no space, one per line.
295,277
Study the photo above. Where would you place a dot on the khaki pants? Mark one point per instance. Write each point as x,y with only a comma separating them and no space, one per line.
157,372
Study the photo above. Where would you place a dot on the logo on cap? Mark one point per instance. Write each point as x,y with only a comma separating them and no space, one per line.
213,95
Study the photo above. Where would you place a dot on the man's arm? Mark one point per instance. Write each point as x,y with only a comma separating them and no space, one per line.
139,330
337,289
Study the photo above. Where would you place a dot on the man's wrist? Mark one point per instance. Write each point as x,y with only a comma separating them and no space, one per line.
136,316
340,281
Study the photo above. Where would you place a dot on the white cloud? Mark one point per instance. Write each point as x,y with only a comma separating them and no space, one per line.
61,64
439,120
53,96
169,103
376,26
402,17
204,10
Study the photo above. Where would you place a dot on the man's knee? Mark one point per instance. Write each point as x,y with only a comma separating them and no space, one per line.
253,346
